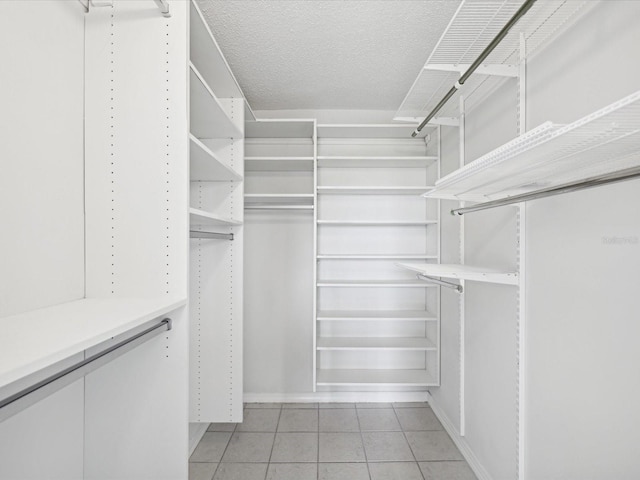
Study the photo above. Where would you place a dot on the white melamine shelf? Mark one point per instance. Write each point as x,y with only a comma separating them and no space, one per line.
378,315
474,25
374,162
605,141
209,119
37,339
374,343
206,166
369,131
278,164
378,223
385,190
375,283
200,217
206,55
380,378
280,128
463,272
278,198
376,256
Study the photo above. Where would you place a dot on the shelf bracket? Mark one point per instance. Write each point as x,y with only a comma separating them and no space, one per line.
442,283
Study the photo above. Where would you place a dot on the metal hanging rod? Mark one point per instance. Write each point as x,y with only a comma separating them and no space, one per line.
437,281
163,5
16,402
211,235
478,61
619,176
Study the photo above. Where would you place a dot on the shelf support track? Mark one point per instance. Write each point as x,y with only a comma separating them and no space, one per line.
477,63
619,176
442,283
211,235
27,396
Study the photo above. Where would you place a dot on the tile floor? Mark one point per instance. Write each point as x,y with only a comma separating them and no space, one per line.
335,441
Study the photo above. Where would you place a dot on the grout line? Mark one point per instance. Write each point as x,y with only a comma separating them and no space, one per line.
362,440
404,434
275,435
318,447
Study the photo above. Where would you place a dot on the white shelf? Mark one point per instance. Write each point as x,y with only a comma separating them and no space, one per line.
375,162
385,190
375,343
463,272
206,166
375,256
206,55
550,155
38,339
371,377
474,25
403,131
200,217
278,164
377,315
375,283
280,128
278,199
209,119
378,223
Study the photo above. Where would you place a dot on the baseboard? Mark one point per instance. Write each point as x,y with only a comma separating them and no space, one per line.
460,442
339,397
196,432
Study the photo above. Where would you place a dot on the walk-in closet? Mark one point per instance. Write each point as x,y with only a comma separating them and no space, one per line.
319,240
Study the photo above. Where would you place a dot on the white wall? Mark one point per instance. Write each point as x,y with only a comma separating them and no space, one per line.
581,294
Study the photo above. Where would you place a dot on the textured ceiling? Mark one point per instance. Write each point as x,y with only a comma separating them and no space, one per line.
327,54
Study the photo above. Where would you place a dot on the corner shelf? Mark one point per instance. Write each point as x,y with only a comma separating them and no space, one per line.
373,377
209,119
206,166
375,343
383,190
200,217
37,339
379,315
278,164
605,141
463,272
375,162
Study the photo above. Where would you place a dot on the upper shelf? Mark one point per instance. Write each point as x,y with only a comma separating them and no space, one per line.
206,55
278,164
279,199
472,28
463,272
209,119
368,130
200,217
206,166
38,339
375,162
550,155
280,128
383,190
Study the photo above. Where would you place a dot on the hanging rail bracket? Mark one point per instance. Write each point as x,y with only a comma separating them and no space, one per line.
437,281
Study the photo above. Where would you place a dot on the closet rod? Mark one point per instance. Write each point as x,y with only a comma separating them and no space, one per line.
212,235
16,402
485,53
163,5
619,176
437,281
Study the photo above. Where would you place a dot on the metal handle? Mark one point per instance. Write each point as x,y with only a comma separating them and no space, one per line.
437,281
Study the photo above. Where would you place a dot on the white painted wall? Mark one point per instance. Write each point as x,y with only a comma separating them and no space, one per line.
582,301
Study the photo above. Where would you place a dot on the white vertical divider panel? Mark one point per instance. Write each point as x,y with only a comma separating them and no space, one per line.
216,292
41,185
41,212
136,418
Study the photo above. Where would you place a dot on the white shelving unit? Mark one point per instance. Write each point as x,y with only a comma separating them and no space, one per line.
467,36
375,326
605,141
463,272
217,114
